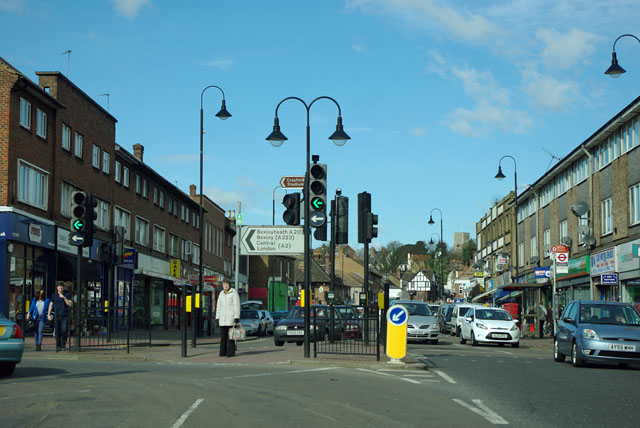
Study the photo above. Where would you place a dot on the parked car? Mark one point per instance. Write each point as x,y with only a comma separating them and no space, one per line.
251,304
457,315
251,322
291,328
598,331
277,316
352,321
11,345
267,322
422,324
489,325
444,319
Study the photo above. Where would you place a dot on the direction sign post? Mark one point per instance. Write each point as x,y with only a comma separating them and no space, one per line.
397,317
292,182
270,240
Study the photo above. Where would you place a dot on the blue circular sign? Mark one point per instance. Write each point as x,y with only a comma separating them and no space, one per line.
318,219
397,315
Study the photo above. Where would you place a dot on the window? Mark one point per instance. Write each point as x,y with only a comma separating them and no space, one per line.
155,195
125,177
186,249
106,162
66,137
158,238
103,221
173,245
95,157
563,230
138,184
521,254
196,253
170,205
142,231
606,220
145,186
122,218
25,113
33,185
547,242
634,204
583,227
78,140
161,199
65,198
118,172
534,246
41,123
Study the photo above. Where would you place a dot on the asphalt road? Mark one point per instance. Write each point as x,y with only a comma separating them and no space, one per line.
458,386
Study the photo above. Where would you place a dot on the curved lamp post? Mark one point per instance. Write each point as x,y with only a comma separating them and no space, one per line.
431,222
501,176
223,114
277,138
614,69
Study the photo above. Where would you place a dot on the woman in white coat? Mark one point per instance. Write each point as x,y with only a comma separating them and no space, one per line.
227,314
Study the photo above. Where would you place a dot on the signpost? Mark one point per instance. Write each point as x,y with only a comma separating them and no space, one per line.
397,317
292,182
270,240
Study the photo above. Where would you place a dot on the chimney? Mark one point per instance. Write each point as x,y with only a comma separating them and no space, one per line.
192,190
138,150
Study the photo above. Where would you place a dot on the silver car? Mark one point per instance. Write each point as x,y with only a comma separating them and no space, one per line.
11,346
598,331
422,324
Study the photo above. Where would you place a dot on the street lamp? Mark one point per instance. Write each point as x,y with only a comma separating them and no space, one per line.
431,222
223,114
501,176
614,69
277,138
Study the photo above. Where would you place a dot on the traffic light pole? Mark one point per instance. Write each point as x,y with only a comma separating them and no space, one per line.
78,296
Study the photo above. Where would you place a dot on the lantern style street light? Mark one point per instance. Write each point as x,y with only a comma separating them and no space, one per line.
614,69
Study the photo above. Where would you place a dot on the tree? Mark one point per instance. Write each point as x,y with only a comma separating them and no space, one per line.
391,257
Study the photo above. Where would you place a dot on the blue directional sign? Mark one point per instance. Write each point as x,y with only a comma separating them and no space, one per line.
397,315
318,219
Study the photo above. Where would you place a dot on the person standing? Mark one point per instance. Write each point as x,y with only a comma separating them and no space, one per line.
38,313
542,316
227,314
61,305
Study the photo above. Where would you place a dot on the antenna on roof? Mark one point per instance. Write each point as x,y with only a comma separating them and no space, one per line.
106,95
68,54
552,157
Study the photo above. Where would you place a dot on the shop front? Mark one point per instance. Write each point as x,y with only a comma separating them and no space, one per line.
603,264
628,262
573,285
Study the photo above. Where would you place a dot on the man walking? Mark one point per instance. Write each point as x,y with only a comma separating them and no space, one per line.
61,305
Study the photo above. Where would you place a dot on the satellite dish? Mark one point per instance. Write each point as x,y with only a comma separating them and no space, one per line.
547,247
589,241
567,241
579,208
535,259
583,230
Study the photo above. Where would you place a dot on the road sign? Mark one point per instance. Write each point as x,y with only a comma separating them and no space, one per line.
318,218
609,279
559,249
292,182
269,240
76,238
397,317
562,258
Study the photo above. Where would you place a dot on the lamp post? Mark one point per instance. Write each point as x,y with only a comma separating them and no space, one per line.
431,222
501,176
614,69
223,114
277,138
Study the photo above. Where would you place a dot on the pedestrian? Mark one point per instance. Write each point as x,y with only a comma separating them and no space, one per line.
542,316
550,320
38,313
61,306
227,314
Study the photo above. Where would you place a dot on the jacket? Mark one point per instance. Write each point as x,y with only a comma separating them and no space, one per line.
227,308
33,308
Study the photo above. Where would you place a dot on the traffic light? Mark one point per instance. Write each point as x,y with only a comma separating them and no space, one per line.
79,230
364,208
91,214
342,220
291,215
320,234
119,234
372,226
318,193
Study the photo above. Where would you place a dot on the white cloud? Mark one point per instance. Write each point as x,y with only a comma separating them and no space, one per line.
16,6
564,51
246,191
130,8
549,92
223,63
418,131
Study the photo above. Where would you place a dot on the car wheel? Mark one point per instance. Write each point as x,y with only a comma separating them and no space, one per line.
558,357
515,345
474,342
279,342
7,369
462,339
575,356
435,342
299,343
501,345
457,331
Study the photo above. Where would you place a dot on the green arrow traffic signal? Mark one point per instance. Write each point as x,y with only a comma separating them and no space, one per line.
78,225
317,203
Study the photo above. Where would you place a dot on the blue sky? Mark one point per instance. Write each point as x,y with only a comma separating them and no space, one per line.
432,92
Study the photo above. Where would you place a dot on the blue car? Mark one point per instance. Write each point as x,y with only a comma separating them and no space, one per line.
11,346
598,331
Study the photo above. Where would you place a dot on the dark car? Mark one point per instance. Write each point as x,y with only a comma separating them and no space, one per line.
291,328
352,321
444,319
598,331
277,316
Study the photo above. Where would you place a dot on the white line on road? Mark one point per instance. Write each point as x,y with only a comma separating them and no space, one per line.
483,411
445,376
273,374
375,371
409,380
186,414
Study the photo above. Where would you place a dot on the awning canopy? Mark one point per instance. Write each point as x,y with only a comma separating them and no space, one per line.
67,269
481,297
511,295
521,286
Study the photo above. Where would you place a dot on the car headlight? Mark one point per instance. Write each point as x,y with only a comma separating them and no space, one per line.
480,325
281,327
435,327
514,327
587,333
254,324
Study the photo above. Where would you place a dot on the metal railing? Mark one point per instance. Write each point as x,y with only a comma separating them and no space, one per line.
359,336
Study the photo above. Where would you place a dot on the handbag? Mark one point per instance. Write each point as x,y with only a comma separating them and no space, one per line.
237,332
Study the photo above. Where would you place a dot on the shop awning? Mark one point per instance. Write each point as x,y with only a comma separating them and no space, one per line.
481,297
511,295
67,269
521,286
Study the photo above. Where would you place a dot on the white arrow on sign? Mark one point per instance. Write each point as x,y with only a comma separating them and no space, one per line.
396,317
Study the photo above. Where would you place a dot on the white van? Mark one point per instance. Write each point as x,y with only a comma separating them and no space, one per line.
457,316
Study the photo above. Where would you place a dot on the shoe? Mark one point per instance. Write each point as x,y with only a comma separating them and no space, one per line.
38,348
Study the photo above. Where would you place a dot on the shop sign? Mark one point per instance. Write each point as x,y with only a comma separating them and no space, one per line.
627,256
542,274
632,282
603,262
609,279
35,233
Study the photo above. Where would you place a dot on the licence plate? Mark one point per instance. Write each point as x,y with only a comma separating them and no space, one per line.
295,333
622,347
500,336
417,331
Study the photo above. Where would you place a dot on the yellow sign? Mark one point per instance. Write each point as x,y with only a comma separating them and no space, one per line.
478,274
106,306
188,307
381,300
197,300
397,317
174,268
302,298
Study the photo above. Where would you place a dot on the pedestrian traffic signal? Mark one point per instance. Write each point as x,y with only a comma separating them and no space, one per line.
318,189
342,220
291,215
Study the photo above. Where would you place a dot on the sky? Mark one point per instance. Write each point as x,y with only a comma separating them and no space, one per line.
432,92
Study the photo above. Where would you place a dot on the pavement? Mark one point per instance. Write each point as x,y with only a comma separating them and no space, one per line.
166,348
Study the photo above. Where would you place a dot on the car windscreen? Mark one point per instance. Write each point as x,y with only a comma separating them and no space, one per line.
492,314
347,313
609,314
249,315
417,309
449,312
298,312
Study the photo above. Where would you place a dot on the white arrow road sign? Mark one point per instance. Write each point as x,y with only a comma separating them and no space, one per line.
266,240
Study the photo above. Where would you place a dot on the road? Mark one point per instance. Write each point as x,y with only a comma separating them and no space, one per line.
458,386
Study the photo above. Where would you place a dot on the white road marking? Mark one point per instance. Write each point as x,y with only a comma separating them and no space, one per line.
506,352
186,414
483,411
409,380
375,371
273,374
444,376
